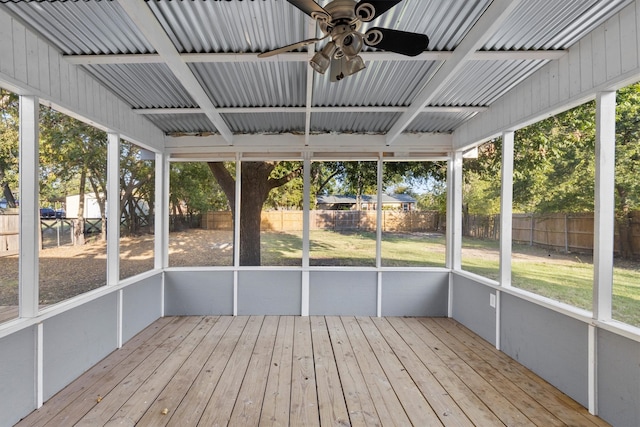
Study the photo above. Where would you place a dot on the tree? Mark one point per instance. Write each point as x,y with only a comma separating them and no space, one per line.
627,183
70,149
9,138
260,179
256,182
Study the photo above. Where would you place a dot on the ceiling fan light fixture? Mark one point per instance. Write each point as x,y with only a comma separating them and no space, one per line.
352,44
321,60
353,65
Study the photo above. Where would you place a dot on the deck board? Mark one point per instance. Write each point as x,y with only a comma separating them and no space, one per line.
279,371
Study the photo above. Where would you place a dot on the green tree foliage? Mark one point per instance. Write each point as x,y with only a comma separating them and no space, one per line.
194,190
9,139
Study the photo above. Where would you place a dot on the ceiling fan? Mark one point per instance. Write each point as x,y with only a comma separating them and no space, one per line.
340,20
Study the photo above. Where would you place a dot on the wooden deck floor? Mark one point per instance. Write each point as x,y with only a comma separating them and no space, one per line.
298,371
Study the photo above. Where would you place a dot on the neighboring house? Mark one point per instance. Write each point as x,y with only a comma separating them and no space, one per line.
399,202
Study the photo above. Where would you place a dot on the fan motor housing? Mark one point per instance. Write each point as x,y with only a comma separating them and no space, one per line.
342,12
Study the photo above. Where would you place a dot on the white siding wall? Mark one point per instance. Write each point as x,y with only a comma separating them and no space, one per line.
29,66
606,59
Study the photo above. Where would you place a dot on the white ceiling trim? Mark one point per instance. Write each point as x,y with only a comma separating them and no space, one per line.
153,58
145,20
265,110
311,29
406,145
495,15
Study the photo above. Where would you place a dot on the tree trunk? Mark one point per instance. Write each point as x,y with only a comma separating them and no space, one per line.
79,228
6,190
255,189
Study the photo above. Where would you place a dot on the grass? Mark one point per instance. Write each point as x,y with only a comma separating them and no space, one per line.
563,277
567,278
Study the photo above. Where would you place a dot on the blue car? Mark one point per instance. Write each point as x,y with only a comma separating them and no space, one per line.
47,213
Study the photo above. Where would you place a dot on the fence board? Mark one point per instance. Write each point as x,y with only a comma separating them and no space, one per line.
392,221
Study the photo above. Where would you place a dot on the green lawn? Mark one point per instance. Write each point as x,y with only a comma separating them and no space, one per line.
566,278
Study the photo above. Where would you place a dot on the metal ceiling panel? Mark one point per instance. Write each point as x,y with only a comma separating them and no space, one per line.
438,122
82,27
253,84
182,123
381,83
353,122
143,85
230,26
480,83
201,26
444,22
552,24
265,122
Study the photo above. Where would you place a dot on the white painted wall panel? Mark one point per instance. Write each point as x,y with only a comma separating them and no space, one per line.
6,45
33,66
19,49
29,66
613,53
54,74
594,64
586,59
44,66
628,42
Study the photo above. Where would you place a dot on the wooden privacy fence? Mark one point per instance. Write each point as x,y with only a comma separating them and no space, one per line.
392,221
9,232
558,231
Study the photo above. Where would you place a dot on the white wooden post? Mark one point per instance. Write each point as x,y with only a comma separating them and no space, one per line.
161,212
236,233
29,209
604,220
604,204
380,172
306,221
506,208
113,208
454,211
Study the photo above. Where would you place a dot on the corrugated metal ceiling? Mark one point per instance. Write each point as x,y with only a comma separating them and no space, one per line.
247,27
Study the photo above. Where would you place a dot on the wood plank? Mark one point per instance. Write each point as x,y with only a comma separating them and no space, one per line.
277,396
197,398
331,403
529,407
388,406
304,399
361,407
540,390
74,392
116,397
139,402
173,394
468,401
349,371
414,403
499,405
447,409
249,402
218,411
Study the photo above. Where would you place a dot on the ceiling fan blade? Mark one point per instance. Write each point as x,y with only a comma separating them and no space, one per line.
288,48
308,6
368,10
403,42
